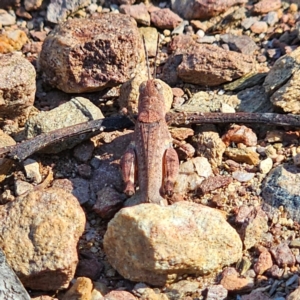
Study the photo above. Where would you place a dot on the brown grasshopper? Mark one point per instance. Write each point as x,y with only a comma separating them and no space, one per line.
150,158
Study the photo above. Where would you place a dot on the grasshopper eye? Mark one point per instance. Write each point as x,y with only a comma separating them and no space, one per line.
158,85
143,86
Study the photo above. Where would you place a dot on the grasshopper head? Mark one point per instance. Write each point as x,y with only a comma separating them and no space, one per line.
151,106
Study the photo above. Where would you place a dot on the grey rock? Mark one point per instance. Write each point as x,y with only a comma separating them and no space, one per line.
254,99
216,292
32,170
242,43
81,189
10,285
277,190
141,242
18,92
271,18
207,39
22,187
58,10
181,289
282,71
248,22
76,111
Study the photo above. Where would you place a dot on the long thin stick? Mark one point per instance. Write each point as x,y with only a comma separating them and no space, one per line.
92,128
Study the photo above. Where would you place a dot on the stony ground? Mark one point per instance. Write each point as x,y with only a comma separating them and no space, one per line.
227,56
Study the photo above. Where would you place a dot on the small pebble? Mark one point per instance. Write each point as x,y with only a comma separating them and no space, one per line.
266,165
242,176
32,170
259,27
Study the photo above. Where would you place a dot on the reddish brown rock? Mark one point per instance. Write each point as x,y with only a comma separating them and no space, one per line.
202,9
265,6
240,134
39,234
212,183
109,201
85,55
88,266
283,255
210,65
139,12
119,295
9,3
181,133
17,84
232,281
263,263
165,19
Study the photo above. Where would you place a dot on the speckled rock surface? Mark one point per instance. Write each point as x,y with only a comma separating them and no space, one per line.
210,65
151,232
85,55
278,191
17,84
76,111
39,234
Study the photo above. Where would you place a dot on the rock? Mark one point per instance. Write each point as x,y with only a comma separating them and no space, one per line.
185,151
58,10
282,71
240,134
12,40
39,235
76,111
88,266
109,201
144,292
247,81
129,93
181,133
139,12
191,174
265,6
294,295
208,144
287,96
89,53
216,292
202,9
242,176
283,255
150,34
164,18
210,65
275,272
10,285
212,183
277,190
206,102
259,27
32,170
18,92
253,228
181,289
266,165
244,155
22,187
263,263
141,242
232,281
84,151
81,289
256,295
243,43
6,140
254,99
119,295
271,18
6,18
84,171
32,4
9,3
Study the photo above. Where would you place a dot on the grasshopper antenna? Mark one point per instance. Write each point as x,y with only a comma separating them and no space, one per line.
147,60
156,54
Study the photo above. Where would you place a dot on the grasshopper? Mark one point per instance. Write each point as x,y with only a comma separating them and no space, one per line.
150,160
